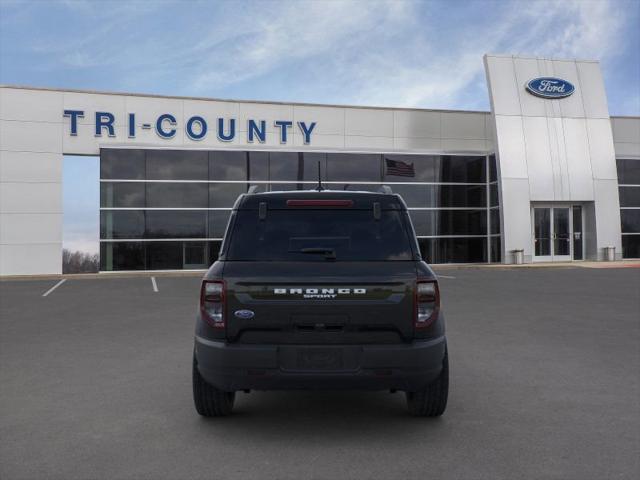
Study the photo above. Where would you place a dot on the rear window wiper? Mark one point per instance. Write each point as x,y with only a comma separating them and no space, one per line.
329,253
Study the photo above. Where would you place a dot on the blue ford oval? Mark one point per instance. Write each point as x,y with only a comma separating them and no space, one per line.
244,314
550,87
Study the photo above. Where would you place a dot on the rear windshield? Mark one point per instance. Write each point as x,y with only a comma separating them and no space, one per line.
320,235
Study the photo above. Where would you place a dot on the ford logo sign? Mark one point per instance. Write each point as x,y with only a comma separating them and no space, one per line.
244,314
550,87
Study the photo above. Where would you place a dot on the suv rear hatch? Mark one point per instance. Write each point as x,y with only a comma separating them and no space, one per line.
320,270
320,303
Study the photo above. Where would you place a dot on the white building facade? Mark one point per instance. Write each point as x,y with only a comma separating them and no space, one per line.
547,174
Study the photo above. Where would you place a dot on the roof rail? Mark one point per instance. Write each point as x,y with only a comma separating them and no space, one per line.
385,189
253,189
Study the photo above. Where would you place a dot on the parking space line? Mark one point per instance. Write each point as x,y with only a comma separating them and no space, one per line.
445,276
154,284
54,287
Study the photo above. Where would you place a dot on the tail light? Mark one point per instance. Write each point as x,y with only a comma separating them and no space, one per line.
427,303
212,303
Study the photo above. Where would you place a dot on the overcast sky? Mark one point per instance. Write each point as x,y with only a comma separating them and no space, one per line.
395,53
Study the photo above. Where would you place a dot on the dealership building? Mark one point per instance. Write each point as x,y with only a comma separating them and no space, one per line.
546,175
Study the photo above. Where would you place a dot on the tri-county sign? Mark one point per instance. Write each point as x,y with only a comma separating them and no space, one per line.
196,127
550,87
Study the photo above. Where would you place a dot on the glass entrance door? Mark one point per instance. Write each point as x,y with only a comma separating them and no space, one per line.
557,233
542,233
561,234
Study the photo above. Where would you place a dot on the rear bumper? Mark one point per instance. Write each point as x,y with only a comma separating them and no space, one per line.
231,367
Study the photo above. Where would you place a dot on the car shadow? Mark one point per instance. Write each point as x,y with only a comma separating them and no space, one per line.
345,416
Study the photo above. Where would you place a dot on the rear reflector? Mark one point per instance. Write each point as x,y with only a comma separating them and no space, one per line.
319,203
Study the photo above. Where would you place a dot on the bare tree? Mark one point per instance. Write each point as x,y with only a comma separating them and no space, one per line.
79,262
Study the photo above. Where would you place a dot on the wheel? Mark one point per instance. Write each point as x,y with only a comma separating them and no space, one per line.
209,401
432,401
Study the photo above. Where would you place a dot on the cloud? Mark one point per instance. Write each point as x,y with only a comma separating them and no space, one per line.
392,53
276,37
558,29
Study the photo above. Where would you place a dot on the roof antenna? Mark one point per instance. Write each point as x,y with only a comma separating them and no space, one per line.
320,187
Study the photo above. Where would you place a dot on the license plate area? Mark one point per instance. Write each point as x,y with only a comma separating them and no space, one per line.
319,359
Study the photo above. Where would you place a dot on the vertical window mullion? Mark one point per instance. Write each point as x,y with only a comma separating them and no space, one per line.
488,206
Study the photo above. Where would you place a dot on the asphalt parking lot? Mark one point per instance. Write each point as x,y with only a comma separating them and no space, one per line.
95,383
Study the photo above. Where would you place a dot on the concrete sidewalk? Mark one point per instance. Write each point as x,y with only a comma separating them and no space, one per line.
439,266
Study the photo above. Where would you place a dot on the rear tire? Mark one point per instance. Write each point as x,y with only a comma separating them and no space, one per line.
210,401
432,401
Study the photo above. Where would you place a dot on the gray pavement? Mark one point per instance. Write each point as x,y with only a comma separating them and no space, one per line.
95,383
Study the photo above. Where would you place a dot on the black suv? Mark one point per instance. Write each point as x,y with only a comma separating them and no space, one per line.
320,290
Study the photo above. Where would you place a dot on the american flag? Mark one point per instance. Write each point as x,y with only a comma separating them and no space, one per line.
399,168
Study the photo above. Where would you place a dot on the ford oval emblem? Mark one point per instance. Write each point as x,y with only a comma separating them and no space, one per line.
244,314
550,87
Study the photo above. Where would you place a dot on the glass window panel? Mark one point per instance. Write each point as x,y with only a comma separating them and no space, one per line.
630,221
434,168
405,168
493,168
258,166
124,164
351,187
218,220
494,197
224,195
496,252
310,165
463,169
449,222
355,167
442,196
286,166
195,254
415,195
494,216
628,171
177,165
164,255
176,224
122,256
177,195
238,165
225,165
122,195
410,168
631,246
291,166
457,195
453,250
629,196
354,187
122,224
285,187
